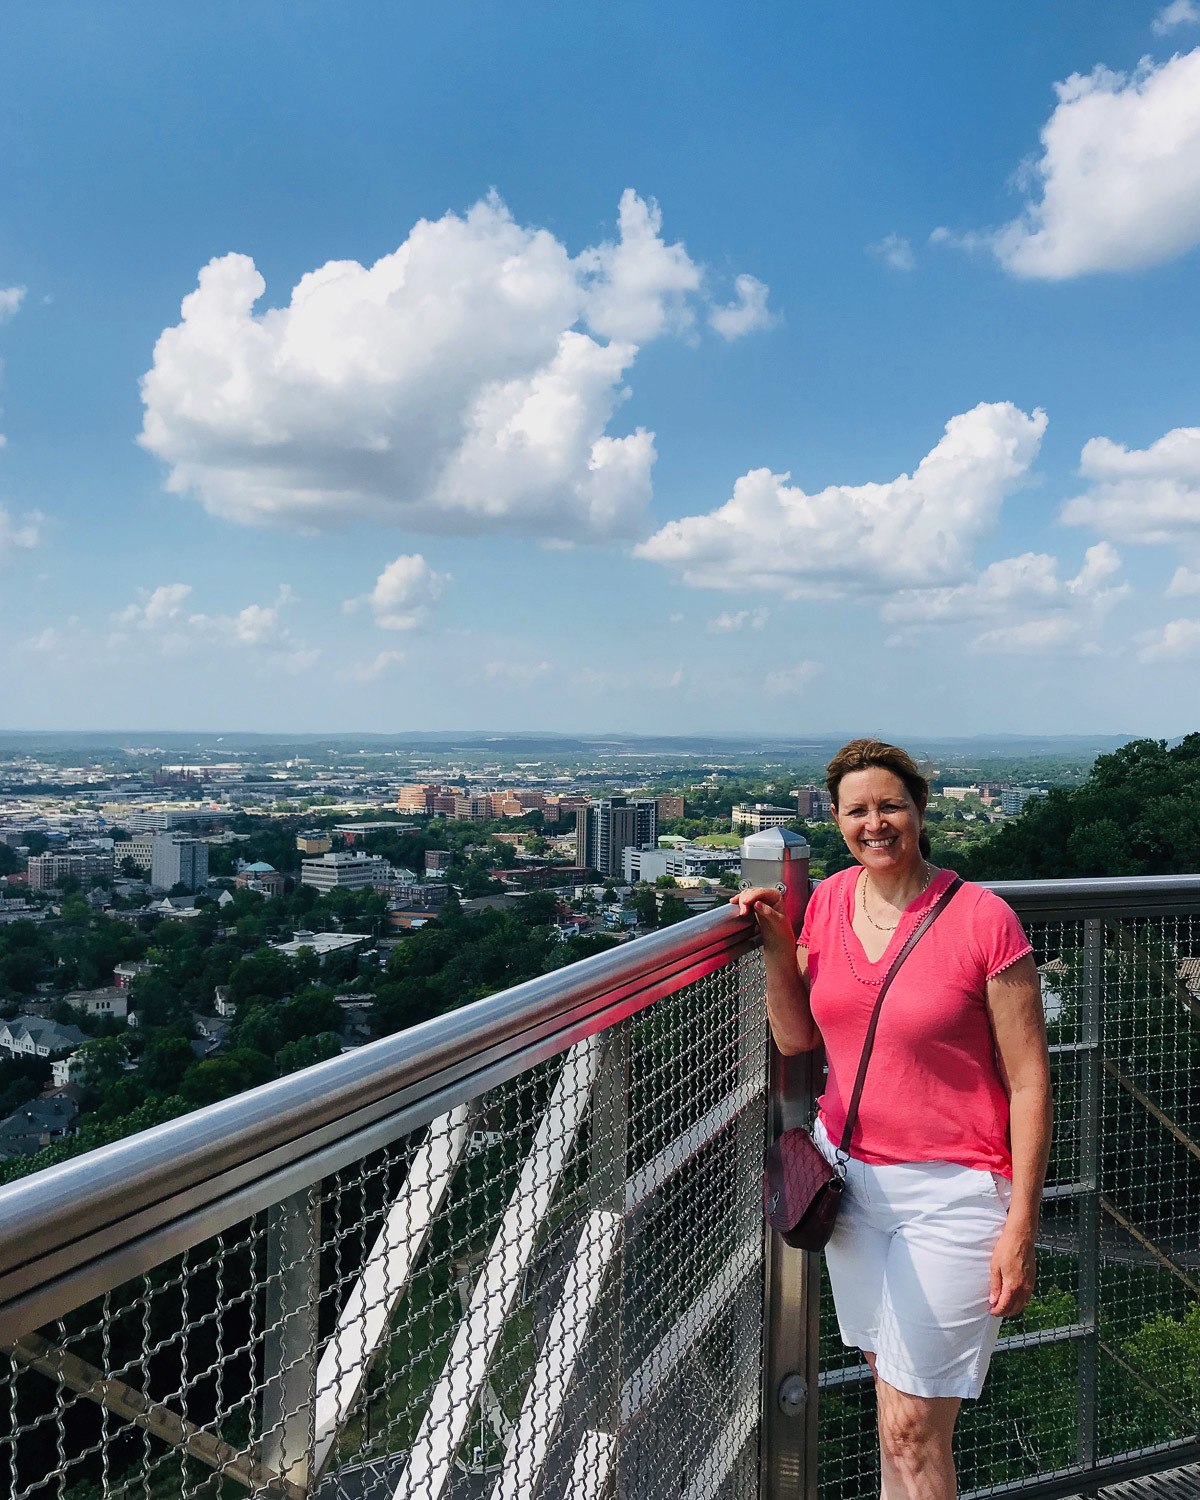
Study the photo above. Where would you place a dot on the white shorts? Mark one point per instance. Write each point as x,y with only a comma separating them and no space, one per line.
910,1262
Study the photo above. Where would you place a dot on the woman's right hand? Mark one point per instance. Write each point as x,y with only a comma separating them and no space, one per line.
765,904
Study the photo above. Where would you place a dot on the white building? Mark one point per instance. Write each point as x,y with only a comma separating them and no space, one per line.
31,1036
321,943
178,860
345,870
684,862
113,1000
759,815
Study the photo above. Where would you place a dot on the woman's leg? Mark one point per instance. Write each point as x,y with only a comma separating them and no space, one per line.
915,1433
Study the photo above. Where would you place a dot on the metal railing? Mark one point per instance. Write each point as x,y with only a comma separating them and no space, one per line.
518,1252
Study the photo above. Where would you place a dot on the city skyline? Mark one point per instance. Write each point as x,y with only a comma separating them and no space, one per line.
672,372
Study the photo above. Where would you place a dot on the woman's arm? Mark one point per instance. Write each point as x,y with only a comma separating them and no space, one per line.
788,1010
1014,1000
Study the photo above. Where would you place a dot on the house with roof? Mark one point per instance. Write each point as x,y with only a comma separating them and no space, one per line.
111,1000
34,1036
35,1125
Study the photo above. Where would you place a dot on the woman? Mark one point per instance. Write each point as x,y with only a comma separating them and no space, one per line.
934,1243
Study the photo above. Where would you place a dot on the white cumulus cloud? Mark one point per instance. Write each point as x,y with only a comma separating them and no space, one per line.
1117,184
11,298
895,252
19,534
747,314
1178,640
785,681
371,671
1029,581
467,381
156,607
1184,583
1023,600
917,530
742,619
1178,13
1048,635
519,673
1141,494
404,593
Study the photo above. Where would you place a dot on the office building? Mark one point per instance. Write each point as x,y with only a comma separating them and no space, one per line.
759,815
1012,801
813,802
44,871
686,862
343,870
176,860
610,825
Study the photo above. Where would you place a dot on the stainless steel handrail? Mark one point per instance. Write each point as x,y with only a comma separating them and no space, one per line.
86,1224
1128,896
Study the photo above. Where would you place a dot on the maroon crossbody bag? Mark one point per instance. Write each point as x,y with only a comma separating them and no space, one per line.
801,1191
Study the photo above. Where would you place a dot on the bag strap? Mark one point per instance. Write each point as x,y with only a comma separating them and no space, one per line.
918,932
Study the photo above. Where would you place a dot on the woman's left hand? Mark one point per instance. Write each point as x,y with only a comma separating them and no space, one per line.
1013,1272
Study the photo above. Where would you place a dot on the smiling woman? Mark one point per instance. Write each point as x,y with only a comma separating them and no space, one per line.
934,1241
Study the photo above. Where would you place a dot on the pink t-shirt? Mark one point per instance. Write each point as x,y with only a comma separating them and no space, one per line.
933,1090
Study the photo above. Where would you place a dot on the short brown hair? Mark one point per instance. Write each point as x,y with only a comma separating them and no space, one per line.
862,755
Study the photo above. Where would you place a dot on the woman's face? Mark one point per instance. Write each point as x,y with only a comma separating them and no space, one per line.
879,820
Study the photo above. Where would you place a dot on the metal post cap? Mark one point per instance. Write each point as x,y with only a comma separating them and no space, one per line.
775,843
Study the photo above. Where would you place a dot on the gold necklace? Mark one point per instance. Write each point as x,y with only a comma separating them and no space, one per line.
863,888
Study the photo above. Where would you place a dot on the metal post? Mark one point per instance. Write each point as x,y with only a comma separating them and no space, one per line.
1091,1066
791,1284
608,1167
290,1339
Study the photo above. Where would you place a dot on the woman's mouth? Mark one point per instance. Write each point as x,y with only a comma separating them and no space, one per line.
879,843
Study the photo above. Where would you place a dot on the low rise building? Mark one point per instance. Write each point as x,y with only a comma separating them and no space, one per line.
35,1125
261,877
124,974
44,871
314,841
34,1036
756,816
684,862
321,943
345,870
111,1000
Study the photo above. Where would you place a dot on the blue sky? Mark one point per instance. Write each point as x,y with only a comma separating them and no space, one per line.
794,367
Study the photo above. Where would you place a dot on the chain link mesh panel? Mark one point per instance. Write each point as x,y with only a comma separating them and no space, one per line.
1105,1362
554,1290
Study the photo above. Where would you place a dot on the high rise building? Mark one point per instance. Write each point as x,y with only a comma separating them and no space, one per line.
610,825
176,860
813,802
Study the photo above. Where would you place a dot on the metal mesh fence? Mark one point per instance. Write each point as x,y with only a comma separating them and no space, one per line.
1105,1362
553,1290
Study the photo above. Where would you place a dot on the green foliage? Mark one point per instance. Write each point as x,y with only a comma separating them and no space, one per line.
1137,813
304,1051
22,1079
217,1078
671,911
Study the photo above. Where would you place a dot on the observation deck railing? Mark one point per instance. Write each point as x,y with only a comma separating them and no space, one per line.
518,1251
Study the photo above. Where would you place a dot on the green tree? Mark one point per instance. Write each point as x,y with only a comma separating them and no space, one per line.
304,1051
671,911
